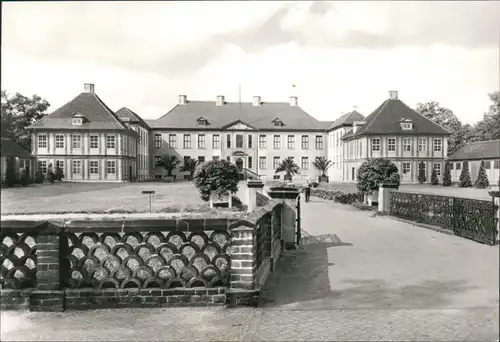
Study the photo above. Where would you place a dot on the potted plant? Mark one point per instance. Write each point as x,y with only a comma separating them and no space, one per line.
374,172
189,166
169,163
322,164
289,167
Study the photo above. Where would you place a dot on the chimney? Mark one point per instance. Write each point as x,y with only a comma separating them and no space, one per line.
256,101
393,94
182,99
88,88
220,100
293,101
356,125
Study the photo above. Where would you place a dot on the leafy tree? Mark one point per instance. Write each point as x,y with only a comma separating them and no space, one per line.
169,162
447,174
189,166
482,178
434,177
465,180
216,175
489,127
18,112
289,167
322,164
447,119
421,173
373,172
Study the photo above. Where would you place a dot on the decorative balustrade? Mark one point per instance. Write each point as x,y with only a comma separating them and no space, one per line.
470,218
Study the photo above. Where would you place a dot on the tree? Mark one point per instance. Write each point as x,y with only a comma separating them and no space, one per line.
322,164
373,172
169,162
445,118
216,175
482,178
10,172
18,112
447,174
289,167
189,166
489,127
465,180
421,173
434,177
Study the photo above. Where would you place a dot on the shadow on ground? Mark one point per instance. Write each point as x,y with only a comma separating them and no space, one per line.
301,281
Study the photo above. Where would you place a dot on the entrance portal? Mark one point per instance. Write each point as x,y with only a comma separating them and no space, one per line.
239,164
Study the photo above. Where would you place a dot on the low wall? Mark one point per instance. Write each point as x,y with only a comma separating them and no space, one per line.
58,265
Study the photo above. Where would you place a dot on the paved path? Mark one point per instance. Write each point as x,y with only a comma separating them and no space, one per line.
357,278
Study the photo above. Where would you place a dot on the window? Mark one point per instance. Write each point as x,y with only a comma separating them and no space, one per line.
228,141
406,144
305,142
187,140
437,167
215,158
172,140
77,121
305,163
23,163
406,167
201,140
42,165
376,144
458,166
249,162
202,122
186,159
262,141
216,141
111,167
158,141
422,144
496,164
452,165
94,141
291,142
158,160
487,165
276,162
110,141
407,125
277,123
94,167
319,142
77,167
276,177
239,141
42,141
262,163
76,141
59,141
201,159
250,141
276,142
228,159
60,164
391,144
438,145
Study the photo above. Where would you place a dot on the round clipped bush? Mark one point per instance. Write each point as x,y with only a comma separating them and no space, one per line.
216,175
373,172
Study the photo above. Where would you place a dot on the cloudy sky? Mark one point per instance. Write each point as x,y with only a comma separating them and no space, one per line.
339,54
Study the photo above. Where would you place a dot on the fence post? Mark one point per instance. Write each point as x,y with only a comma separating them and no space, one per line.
495,194
384,196
290,212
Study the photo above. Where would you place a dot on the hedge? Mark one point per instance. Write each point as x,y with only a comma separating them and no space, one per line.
339,196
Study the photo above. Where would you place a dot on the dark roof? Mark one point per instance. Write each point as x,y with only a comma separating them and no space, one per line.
98,115
260,117
346,120
126,113
478,150
387,117
10,148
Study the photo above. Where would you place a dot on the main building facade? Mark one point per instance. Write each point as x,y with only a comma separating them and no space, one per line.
90,142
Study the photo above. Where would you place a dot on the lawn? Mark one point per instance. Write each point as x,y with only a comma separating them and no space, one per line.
101,197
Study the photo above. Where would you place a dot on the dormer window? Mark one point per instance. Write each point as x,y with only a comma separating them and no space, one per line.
202,122
77,119
407,125
277,123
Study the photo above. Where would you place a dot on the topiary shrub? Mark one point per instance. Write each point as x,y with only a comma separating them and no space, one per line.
447,174
24,177
465,180
10,172
434,177
482,178
216,175
373,172
422,178
58,173
39,176
339,196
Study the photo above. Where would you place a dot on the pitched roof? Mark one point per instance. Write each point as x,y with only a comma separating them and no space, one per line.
98,115
260,117
478,150
126,113
346,119
10,148
387,117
